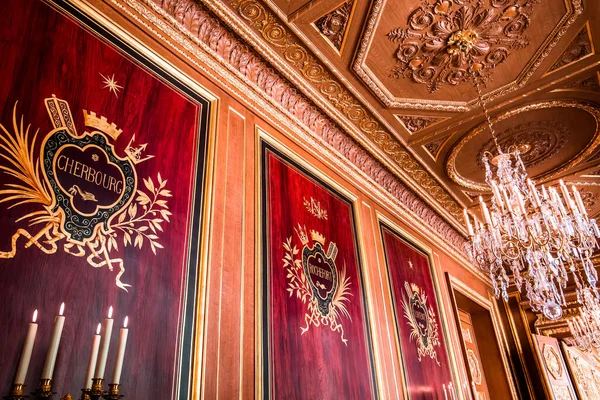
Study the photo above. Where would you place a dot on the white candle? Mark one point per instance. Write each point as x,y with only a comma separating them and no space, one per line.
93,358
534,192
497,194
565,193
484,211
579,201
451,390
57,328
468,221
445,394
104,345
27,350
116,377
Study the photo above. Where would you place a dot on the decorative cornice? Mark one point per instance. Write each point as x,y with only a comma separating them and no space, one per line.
197,32
286,51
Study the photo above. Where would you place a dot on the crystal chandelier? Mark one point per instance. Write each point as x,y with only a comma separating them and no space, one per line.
540,237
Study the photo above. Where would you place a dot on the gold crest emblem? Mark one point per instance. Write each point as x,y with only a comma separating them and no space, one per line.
86,195
421,319
315,280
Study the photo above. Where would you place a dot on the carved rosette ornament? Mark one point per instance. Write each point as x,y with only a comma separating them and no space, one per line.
333,25
447,40
417,123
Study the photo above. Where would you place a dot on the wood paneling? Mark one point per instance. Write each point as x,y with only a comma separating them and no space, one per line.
229,358
55,55
553,368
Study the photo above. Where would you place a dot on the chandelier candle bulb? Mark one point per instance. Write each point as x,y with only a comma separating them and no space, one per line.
57,328
484,211
104,345
497,195
27,350
533,190
116,377
579,201
93,358
544,192
565,192
468,222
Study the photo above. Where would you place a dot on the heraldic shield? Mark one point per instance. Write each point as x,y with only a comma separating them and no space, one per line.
76,167
321,275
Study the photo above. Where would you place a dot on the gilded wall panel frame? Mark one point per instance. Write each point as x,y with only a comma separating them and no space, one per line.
488,303
265,142
189,363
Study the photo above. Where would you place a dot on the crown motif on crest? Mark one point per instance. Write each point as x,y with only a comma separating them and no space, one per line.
101,124
317,237
135,153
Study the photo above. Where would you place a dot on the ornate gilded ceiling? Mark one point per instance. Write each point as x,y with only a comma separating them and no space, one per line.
388,74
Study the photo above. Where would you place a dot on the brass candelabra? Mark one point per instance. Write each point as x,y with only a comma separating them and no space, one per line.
44,391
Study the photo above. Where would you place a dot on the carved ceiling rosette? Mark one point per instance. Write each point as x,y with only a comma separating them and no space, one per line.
537,141
447,40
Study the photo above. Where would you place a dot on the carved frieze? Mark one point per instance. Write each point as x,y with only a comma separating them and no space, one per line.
580,47
432,44
334,24
194,28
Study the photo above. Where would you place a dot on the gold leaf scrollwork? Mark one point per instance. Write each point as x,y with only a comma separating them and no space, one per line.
139,223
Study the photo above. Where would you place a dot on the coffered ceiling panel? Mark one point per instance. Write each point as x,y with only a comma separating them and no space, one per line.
389,73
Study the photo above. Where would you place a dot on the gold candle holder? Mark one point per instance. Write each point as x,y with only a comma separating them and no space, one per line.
45,389
17,392
113,392
96,392
84,394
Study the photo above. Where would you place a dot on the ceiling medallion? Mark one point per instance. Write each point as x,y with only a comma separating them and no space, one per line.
581,157
537,141
440,33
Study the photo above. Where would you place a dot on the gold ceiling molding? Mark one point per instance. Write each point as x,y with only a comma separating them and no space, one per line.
543,140
206,47
547,176
580,47
573,9
298,58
